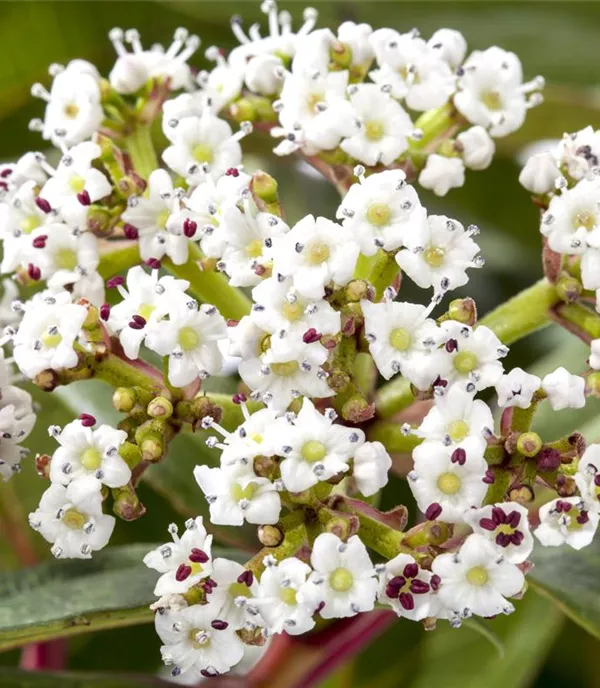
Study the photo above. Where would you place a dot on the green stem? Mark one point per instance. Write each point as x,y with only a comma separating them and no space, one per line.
210,287
579,320
393,397
392,438
119,373
119,260
141,149
383,273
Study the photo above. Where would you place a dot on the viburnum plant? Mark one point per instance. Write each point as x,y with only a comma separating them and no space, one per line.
147,239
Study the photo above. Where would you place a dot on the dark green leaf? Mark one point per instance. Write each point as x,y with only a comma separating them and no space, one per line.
14,678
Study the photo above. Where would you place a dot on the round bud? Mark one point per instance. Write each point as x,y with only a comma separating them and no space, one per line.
463,310
124,399
568,289
529,444
523,494
270,536
160,407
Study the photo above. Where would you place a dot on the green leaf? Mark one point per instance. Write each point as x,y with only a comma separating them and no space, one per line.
15,678
571,579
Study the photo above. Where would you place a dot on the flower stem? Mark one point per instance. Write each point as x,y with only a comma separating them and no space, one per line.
141,149
392,438
119,373
393,397
578,319
210,287
124,256
384,272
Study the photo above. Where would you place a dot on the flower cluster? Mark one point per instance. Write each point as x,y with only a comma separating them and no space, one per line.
140,252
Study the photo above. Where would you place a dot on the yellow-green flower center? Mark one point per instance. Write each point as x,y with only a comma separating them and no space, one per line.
318,253
146,310
458,430
491,99
77,183
65,259
312,100
255,248
29,223
313,451
434,256
199,638
286,369
51,339
341,580
379,214
465,362
238,492
202,152
239,590
292,311
162,218
91,459
478,575
584,219
400,339
449,483
71,110
74,519
374,130
188,338
288,596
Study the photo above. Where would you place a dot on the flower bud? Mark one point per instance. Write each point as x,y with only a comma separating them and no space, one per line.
463,310
529,444
565,485
152,447
242,110
124,399
160,407
451,45
127,505
129,73
264,187
441,174
539,174
340,55
264,466
270,536
357,290
343,527
99,221
477,148
568,289
523,494
92,318
42,465
261,76
357,409
592,382
548,460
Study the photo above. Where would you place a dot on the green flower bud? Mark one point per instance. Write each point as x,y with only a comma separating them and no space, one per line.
270,536
160,407
124,399
529,444
568,289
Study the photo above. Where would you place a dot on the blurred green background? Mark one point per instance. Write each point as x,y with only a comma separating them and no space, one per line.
541,647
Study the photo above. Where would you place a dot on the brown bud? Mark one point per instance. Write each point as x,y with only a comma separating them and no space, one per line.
565,485
357,290
127,505
463,310
357,409
548,460
343,527
429,623
254,637
42,465
270,536
522,494
338,380
264,466
337,478
47,380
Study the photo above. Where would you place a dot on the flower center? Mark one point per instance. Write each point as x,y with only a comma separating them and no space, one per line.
374,130
458,430
29,223
465,362
188,338
312,100
91,459
239,590
65,259
341,580
478,575
74,519
199,638
491,99
71,110
51,339
286,369
288,596
379,214
292,311
449,483
162,218
146,310
584,219
265,344
238,493
254,249
400,339
313,451
77,183
257,438
318,253
434,256
202,152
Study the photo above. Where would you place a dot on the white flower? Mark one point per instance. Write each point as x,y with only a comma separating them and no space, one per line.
457,416
203,145
540,173
587,476
477,148
572,221
149,216
236,495
248,238
195,646
441,174
263,74
314,253
76,184
73,111
491,91
517,388
88,453
47,333
313,447
146,300
472,355
343,579
507,525
232,594
288,369
370,468
594,359
408,589
380,210
277,598
569,520
71,518
580,152
403,339
414,70
10,292
384,126
476,580
451,44
439,254
183,562
590,267
564,390
446,480
180,107
190,338
16,422
133,70
278,306
13,175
